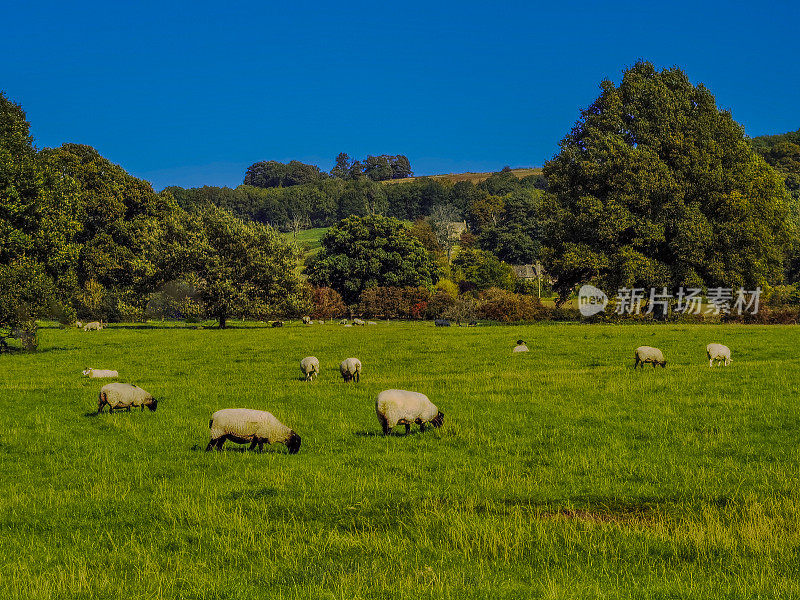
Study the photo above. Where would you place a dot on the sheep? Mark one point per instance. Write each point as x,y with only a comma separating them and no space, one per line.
320,322
441,323
720,353
307,321
79,324
277,324
647,354
394,407
371,323
358,322
242,425
124,396
520,347
343,322
99,373
309,366
93,326
351,369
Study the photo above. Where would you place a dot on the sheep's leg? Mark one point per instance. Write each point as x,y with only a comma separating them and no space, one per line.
261,446
408,428
636,364
358,376
211,444
384,425
253,444
710,362
221,441
422,426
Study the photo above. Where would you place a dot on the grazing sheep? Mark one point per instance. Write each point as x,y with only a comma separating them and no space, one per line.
358,322
78,324
647,354
351,369
99,373
395,407
343,322
309,367
441,323
720,353
242,425
520,347
307,321
119,396
93,326
277,324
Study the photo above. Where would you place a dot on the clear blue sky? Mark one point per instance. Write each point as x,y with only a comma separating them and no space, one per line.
191,93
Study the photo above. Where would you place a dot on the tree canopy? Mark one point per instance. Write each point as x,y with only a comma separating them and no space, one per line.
363,252
655,186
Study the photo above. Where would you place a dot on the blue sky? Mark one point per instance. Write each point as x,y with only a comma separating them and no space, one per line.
191,93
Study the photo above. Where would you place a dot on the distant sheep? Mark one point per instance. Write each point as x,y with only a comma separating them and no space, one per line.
371,323
309,366
93,326
307,321
351,369
395,407
124,396
648,354
520,347
243,425
441,323
277,324
720,353
358,322
78,324
99,373
343,322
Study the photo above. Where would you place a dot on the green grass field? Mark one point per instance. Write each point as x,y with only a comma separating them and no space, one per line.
560,473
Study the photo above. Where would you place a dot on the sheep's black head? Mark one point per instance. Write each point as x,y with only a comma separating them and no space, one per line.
663,364
293,443
520,342
438,420
153,405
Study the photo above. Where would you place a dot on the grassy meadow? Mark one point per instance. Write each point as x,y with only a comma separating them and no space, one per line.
560,473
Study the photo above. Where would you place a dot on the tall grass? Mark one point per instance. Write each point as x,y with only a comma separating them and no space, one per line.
560,473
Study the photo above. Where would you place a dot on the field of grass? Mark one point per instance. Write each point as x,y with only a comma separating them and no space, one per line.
560,473
473,177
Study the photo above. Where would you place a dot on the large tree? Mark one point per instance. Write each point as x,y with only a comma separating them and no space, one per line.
655,186
363,252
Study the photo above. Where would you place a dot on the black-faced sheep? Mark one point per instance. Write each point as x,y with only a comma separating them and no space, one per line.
720,353
648,354
243,425
350,369
309,367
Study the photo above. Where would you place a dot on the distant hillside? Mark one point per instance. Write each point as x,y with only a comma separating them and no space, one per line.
472,177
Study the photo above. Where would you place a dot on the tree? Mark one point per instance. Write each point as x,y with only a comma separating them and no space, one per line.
657,187
272,173
401,167
241,268
517,234
341,169
363,252
482,270
445,221
378,168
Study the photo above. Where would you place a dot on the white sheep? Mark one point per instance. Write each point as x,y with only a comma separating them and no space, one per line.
243,425
99,373
78,324
520,347
124,396
307,321
351,369
395,407
371,323
648,354
93,326
720,353
309,366
358,322
343,322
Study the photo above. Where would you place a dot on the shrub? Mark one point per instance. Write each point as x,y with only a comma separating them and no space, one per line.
327,303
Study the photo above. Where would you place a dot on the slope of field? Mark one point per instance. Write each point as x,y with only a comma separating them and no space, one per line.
473,177
560,473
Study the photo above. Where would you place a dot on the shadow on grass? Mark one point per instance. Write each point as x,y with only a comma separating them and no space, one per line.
242,448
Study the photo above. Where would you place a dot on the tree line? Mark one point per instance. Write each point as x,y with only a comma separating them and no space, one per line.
654,186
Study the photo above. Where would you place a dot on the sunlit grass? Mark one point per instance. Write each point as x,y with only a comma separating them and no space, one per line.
560,473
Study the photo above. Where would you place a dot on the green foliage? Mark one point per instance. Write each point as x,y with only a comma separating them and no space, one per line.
655,187
515,232
268,174
363,252
483,270
27,293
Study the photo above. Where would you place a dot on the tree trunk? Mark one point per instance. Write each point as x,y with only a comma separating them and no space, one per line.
223,321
